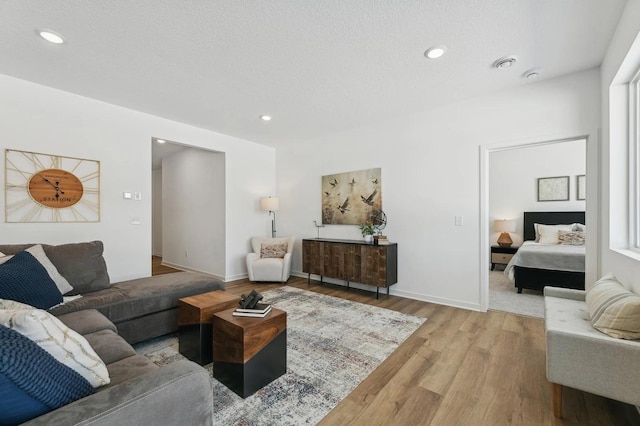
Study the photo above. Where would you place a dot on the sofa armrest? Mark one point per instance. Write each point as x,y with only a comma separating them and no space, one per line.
179,393
565,293
286,267
251,257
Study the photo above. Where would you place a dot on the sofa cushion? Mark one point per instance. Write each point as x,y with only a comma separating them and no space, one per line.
61,282
128,368
111,347
64,344
32,382
87,321
614,310
81,264
100,300
25,280
38,252
158,293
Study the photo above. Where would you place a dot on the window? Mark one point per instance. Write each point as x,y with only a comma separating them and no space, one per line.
634,160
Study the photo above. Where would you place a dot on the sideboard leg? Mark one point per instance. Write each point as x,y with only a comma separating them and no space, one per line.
347,285
377,292
309,279
321,280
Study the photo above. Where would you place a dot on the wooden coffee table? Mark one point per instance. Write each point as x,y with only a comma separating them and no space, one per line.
249,353
195,319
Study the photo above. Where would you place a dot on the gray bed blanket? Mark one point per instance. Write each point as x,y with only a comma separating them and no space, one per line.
556,257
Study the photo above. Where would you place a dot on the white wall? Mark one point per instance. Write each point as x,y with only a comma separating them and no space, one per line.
156,212
193,233
42,119
430,173
613,155
513,181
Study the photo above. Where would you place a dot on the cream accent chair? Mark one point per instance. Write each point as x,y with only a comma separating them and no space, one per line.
269,269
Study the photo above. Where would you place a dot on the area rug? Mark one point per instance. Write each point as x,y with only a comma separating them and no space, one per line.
503,296
332,345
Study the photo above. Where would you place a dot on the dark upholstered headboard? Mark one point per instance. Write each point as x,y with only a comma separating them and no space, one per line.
548,218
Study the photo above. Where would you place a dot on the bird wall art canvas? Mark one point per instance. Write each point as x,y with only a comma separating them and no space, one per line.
349,198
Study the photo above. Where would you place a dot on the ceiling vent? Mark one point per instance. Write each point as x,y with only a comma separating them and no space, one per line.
505,63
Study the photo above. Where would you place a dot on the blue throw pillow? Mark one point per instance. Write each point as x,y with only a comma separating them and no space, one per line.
24,279
32,382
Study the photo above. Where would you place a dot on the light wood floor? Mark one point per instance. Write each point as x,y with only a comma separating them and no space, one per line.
157,268
459,368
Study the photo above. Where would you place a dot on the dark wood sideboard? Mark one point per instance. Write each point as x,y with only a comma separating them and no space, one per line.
351,261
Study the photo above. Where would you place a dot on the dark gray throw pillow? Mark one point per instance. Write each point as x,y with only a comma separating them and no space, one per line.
25,280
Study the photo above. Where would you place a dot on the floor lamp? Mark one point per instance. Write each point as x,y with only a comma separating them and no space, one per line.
272,205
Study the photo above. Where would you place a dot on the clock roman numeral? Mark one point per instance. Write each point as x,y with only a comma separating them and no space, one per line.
16,186
78,216
90,190
18,204
90,176
33,213
37,164
90,204
56,162
56,216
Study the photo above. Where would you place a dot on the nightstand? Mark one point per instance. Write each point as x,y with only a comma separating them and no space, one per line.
502,255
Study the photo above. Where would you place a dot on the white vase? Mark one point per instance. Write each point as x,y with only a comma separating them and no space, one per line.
368,238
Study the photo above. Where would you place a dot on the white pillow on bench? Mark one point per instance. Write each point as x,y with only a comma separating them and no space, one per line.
613,309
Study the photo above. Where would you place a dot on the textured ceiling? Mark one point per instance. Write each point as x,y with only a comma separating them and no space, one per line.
316,66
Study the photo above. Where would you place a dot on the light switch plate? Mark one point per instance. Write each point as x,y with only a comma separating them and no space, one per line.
137,196
127,195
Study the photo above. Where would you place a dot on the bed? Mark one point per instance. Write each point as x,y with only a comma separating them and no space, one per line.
535,265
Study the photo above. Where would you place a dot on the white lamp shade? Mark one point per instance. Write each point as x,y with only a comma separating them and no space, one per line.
271,204
504,225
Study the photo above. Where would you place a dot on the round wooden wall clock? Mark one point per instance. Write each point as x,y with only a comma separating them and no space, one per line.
51,188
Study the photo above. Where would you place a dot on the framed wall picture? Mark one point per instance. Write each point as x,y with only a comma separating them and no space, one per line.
553,188
50,188
349,198
581,185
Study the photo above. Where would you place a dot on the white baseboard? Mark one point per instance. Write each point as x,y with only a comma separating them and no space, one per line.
397,292
236,277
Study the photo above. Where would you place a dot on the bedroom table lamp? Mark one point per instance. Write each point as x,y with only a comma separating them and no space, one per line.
272,205
504,226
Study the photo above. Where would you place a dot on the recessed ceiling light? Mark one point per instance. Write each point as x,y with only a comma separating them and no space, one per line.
160,141
50,36
435,52
265,117
532,75
505,63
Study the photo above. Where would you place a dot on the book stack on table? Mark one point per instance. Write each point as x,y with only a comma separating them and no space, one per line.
261,310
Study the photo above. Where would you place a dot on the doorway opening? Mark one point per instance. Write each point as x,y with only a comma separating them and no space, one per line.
509,176
188,207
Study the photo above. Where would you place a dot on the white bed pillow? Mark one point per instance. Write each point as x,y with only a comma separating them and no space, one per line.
548,234
563,227
64,344
579,227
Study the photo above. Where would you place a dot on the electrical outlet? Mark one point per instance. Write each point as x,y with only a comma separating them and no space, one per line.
186,254
459,221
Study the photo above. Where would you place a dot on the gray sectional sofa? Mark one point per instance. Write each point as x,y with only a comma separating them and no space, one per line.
140,393
141,309
112,317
